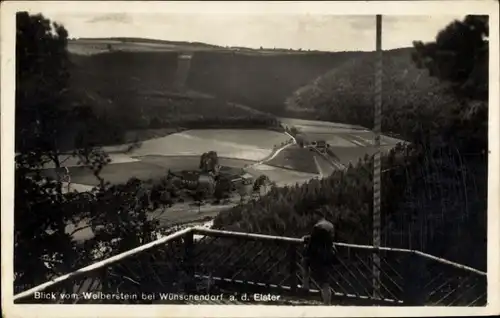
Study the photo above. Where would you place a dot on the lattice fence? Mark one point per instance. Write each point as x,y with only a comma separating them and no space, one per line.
202,261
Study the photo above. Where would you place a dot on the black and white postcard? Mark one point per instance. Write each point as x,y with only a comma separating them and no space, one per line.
245,159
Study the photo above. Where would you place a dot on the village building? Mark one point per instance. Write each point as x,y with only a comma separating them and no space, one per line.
307,141
244,179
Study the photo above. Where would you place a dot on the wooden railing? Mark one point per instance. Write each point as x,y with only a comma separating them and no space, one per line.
205,261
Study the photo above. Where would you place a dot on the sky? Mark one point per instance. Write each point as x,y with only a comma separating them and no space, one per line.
325,32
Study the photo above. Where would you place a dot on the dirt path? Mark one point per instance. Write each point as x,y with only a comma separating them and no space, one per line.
275,152
318,166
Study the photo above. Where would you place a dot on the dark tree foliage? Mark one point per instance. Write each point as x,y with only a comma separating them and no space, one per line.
40,218
44,246
209,162
459,55
223,188
41,82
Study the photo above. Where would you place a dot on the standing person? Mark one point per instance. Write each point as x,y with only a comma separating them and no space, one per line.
319,256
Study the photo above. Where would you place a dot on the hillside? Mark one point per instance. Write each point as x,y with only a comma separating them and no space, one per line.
136,90
346,94
90,46
311,84
262,79
98,45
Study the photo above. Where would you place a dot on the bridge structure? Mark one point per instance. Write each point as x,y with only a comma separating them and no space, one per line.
199,261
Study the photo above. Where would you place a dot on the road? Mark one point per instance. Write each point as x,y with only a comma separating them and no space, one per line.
177,214
276,152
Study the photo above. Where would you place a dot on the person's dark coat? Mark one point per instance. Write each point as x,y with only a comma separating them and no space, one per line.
319,253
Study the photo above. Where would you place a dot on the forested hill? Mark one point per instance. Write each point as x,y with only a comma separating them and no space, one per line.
346,93
259,78
262,81
299,83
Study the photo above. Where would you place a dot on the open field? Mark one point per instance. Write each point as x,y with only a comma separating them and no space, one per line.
88,46
178,163
295,158
317,125
230,143
114,173
350,138
348,143
282,177
144,168
236,148
254,137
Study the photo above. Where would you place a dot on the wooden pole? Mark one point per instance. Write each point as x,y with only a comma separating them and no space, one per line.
377,159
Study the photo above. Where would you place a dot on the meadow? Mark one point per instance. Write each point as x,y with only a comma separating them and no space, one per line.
230,143
282,177
295,158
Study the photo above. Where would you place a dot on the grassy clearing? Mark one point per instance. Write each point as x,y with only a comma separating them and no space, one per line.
114,173
282,177
296,158
306,125
265,139
179,163
89,46
145,168
174,163
230,143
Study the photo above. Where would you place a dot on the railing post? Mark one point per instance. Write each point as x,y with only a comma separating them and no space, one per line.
188,260
413,284
292,259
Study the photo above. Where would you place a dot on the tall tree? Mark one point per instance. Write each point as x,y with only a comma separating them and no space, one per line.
209,162
459,55
43,245
41,83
